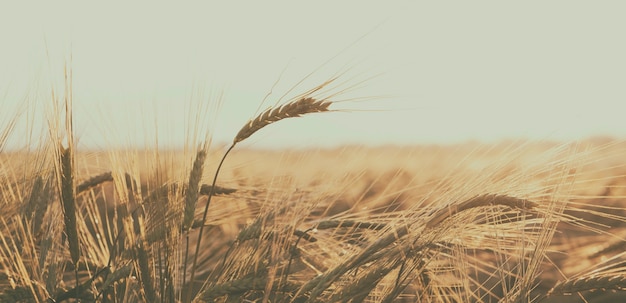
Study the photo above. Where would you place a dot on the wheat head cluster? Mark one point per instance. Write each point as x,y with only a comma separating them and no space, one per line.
510,222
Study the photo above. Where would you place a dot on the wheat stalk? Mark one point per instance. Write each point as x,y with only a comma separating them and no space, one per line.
300,107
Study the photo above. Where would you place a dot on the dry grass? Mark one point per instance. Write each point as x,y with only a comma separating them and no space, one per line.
511,222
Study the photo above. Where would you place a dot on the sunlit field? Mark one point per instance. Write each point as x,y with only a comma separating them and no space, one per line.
322,152
514,221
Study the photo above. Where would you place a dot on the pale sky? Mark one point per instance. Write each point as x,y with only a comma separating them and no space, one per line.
439,71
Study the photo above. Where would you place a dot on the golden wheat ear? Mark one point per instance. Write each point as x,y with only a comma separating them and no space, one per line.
193,189
592,283
293,109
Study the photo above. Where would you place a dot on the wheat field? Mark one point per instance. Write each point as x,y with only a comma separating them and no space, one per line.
516,221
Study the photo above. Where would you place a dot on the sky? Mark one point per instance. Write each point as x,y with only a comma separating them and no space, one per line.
410,72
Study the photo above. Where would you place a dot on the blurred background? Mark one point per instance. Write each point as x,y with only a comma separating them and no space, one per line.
146,73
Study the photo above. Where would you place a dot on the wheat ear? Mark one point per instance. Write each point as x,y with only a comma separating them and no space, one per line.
31,206
328,224
613,282
145,272
297,108
93,182
191,195
206,189
479,201
37,203
69,204
244,285
119,274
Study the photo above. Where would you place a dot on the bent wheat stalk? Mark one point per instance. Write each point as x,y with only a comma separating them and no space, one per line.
301,106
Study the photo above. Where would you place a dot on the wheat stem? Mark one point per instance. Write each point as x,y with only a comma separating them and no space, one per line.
302,106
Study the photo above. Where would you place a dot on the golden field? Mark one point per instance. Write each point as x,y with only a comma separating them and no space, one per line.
153,178
516,221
